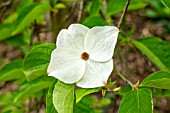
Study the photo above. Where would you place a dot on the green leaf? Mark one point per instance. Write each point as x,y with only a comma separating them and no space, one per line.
156,50
124,90
137,101
113,7
157,80
94,21
53,2
11,18
166,3
37,60
63,97
20,40
86,105
110,84
6,30
49,102
96,6
29,89
12,71
81,92
29,14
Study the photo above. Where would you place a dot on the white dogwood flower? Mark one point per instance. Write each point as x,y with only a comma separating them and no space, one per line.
84,56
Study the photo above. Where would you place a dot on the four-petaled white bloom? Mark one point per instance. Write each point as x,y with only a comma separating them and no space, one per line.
84,56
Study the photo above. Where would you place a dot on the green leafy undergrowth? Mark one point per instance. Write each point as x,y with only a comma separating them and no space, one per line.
29,13
12,71
156,50
28,89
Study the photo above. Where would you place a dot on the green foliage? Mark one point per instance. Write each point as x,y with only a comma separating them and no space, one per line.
19,26
29,89
157,80
53,2
113,7
12,71
85,105
94,21
166,3
81,92
29,14
63,97
49,102
156,50
37,60
95,7
18,40
137,101
6,30
124,90
11,18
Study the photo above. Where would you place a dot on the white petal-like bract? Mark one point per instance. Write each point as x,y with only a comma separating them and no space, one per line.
73,37
66,65
96,74
84,56
100,42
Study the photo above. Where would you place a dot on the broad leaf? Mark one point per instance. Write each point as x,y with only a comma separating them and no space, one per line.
28,14
156,49
63,97
96,6
12,71
166,3
37,60
86,105
19,40
157,80
6,31
94,21
29,89
81,92
49,100
124,90
137,101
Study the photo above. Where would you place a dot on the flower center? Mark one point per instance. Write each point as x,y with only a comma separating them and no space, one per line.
85,56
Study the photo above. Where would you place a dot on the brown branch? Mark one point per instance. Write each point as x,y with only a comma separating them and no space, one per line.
80,11
123,14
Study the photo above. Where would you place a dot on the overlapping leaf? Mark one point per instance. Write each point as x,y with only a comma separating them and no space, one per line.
81,92
29,89
137,101
157,80
156,50
63,97
49,102
28,14
12,71
37,60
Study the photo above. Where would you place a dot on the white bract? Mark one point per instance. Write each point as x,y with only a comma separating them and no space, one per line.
84,56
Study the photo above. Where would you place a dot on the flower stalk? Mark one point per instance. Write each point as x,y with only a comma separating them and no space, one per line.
121,76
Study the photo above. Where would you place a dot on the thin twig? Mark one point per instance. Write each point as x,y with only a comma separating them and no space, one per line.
80,11
123,78
123,14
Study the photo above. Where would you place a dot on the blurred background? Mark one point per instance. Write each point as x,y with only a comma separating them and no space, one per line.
27,23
